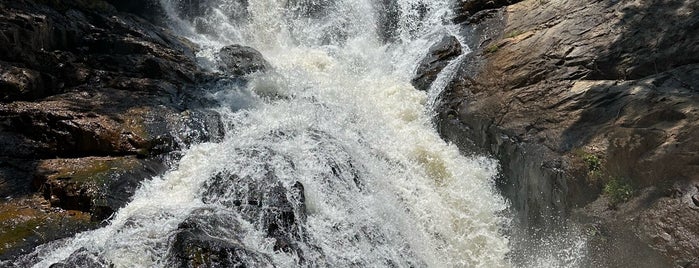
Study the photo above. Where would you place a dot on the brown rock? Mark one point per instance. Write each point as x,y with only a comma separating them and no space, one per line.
559,80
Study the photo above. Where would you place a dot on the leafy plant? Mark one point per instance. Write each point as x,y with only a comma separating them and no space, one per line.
593,162
618,190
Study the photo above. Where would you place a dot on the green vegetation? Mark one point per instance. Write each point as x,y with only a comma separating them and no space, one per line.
593,162
492,48
514,33
618,190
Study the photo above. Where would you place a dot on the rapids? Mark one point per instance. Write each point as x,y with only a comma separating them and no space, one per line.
330,159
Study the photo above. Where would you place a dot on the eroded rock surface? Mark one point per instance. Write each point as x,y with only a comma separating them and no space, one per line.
588,102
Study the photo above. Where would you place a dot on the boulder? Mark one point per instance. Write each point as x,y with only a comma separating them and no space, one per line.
240,60
438,57
198,243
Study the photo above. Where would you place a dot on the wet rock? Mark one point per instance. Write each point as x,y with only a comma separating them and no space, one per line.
264,202
554,81
93,100
81,258
27,222
241,60
199,243
99,185
438,57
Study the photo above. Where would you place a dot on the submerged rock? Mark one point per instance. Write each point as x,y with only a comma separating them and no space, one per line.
438,57
242,60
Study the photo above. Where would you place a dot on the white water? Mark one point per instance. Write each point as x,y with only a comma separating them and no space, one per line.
338,98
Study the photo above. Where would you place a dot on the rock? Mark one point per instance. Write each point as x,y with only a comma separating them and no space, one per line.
93,100
463,9
241,60
438,57
550,82
264,202
148,9
98,185
20,84
28,222
199,243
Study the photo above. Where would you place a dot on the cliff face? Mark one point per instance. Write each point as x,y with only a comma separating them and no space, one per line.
591,107
92,101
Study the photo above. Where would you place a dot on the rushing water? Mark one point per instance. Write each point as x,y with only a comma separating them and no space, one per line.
330,159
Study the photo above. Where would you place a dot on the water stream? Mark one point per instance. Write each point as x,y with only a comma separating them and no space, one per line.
330,159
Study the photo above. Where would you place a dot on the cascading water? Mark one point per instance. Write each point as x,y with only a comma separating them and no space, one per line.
331,161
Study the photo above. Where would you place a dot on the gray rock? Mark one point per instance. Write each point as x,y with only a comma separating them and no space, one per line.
438,57
241,60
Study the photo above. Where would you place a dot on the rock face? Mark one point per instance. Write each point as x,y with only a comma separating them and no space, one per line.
591,108
438,57
92,101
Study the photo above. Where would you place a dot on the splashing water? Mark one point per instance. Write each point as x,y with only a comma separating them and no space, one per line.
334,162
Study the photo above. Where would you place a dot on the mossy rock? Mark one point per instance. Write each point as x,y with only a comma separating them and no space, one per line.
27,222
99,185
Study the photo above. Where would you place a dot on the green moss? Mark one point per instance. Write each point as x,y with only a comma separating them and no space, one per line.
23,224
492,48
95,171
514,33
618,190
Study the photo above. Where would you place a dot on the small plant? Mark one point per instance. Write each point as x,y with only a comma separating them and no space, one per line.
514,33
618,190
593,162
492,48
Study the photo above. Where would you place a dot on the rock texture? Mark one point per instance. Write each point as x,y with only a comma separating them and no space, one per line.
591,108
92,101
241,60
438,57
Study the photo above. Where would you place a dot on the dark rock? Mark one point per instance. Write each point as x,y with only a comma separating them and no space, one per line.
438,57
464,9
264,202
20,84
93,100
148,9
241,60
199,243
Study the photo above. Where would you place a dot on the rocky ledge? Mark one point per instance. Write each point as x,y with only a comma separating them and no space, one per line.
93,100
591,108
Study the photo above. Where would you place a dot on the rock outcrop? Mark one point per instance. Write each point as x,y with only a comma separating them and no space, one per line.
92,101
590,106
438,57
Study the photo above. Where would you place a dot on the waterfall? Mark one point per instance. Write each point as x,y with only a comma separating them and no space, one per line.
331,160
